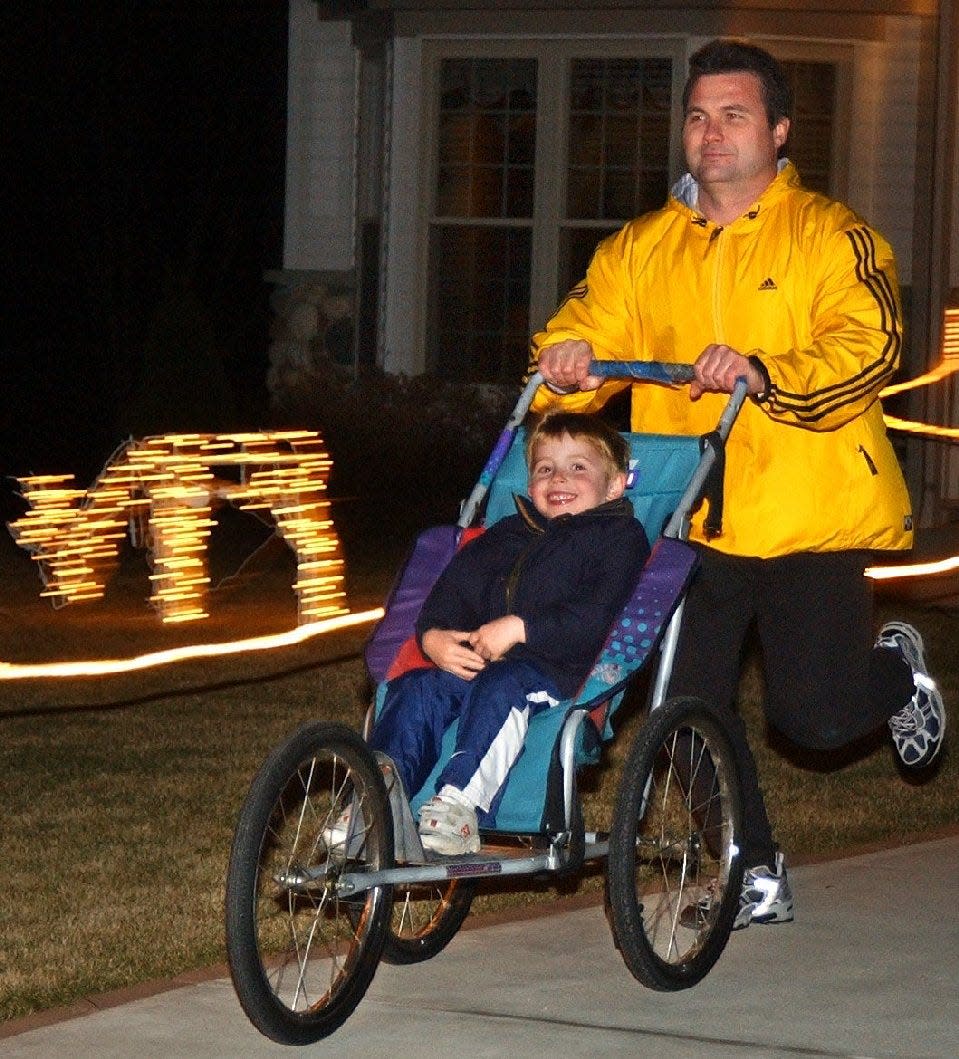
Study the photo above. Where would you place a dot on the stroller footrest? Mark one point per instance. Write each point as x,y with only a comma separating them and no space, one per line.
406,837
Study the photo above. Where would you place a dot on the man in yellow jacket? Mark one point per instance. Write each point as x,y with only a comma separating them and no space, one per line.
744,273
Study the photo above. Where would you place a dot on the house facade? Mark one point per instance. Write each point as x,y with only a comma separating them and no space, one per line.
452,165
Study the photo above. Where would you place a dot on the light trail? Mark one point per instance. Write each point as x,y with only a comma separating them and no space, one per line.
938,566
947,366
111,666
929,430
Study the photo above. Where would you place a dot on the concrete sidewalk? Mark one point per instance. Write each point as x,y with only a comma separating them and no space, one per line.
870,968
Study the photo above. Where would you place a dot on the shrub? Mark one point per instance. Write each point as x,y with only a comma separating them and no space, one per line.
408,447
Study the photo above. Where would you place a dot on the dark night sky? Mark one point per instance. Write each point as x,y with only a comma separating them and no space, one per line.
144,158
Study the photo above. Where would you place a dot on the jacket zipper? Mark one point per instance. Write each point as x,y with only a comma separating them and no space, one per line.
717,305
512,579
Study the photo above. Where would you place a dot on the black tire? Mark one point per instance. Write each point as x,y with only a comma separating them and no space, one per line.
674,870
301,955
426,918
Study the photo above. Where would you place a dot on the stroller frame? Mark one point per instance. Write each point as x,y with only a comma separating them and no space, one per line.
673,866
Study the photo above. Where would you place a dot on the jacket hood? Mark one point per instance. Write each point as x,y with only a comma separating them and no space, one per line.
685,192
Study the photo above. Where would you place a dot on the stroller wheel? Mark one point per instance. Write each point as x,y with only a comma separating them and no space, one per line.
674,872
302,949
426,917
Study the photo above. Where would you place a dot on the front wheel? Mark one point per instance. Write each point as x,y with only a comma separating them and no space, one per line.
674,871
302,951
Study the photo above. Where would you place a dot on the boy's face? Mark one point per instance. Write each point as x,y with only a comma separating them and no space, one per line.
568,475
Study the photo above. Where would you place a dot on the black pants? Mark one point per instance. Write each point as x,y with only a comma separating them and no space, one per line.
826,685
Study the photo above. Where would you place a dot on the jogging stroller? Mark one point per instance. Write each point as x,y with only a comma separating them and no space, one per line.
307,920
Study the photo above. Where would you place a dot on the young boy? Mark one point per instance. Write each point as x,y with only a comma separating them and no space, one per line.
514,624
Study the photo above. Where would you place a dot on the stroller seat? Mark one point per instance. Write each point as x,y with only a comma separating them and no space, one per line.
532,800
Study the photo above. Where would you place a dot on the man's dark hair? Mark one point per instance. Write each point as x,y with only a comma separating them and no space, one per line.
724,56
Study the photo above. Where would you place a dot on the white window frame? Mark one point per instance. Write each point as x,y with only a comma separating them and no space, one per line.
553,57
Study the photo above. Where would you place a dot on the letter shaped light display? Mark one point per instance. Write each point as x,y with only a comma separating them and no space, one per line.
162,491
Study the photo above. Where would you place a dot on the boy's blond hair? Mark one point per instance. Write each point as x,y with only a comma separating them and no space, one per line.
608,442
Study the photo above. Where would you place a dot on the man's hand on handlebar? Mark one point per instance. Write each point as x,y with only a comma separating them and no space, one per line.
565,366
718,367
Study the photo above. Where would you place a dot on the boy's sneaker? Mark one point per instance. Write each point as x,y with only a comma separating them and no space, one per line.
918,728
336,833
766,896
448,827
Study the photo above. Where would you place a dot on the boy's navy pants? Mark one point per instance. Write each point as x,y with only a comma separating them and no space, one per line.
494,709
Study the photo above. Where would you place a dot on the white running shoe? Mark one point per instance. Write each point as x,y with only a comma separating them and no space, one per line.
448,826
766,896
918,728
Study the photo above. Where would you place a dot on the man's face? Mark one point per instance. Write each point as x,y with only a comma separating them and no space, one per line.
726,134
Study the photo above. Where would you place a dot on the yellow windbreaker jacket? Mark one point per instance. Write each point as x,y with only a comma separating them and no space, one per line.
802,283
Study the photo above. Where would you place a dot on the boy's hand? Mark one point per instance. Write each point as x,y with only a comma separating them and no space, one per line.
450,650
492,640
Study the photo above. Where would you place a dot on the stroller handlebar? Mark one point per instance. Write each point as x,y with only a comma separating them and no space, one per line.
648,370
651,371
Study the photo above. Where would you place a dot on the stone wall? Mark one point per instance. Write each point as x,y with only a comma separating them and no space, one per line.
313,326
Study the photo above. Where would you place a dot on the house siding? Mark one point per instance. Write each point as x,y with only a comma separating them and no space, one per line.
399,351
319,214
885,118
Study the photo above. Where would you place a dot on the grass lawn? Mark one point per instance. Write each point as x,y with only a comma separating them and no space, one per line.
120,794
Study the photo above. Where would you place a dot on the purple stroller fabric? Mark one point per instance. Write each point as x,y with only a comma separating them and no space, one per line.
432,551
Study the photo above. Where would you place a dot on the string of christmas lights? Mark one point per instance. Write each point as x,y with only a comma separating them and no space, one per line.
948,366
114,666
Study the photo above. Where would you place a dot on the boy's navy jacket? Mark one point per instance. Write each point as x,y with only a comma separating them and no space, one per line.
567,578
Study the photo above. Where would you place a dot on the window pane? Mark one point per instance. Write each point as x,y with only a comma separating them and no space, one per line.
479,302
653,189
622,84
584,193
654,139
488,145
486,198
811,134
454,139
618,193
620,141
487,120
586,139
618,137
519,191
521,147
576,246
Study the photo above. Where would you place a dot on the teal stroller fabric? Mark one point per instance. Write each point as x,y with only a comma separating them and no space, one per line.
532,799
660,468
